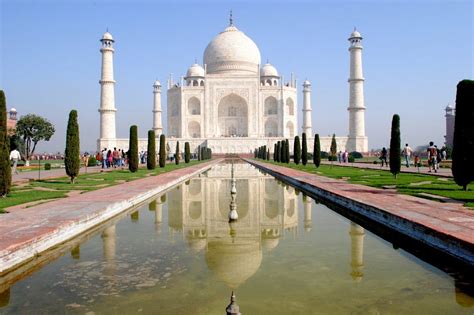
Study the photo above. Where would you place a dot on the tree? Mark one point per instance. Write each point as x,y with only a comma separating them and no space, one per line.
395,146
268,155
133,149
287,151
199,153
333,149
151,151
162,150
32,129
5,170
72,153
296,150
304,150
316,151
275,152
177,154
463,142
187,152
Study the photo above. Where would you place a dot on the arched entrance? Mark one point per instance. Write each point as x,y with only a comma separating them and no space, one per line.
233,116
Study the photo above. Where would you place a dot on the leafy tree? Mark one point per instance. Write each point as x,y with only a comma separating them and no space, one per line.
296,150
316,151
304,150
162,150
395,146
333,149
72,159
151,150
133,149
177,155
187,152
5,169
32,129
463,142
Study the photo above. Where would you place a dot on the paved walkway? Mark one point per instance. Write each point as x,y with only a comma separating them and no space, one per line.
452,220
443,172
33,230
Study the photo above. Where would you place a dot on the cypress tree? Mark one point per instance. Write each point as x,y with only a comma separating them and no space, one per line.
151,151
280,151
316,151
304,150
283,151
333,147
268,155
296,150
395,146
463,142
5,168
162,151
71,155
133,149
187,152
287,151
276,155
274,152
199,152
177,156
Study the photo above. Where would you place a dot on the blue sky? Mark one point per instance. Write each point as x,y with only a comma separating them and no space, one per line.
415,52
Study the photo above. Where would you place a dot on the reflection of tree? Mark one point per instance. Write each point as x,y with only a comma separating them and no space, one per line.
5,297
464,292
76,252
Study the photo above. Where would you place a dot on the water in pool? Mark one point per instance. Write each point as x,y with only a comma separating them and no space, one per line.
286,254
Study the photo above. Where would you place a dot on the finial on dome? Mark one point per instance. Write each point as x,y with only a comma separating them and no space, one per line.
195,61
267,60
231,20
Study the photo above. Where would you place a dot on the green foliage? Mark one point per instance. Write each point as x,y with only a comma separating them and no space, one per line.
162,151
92,161
32,129
199,153
47,166
275,150
333,149
268,155
304,150
356,155
72,160
296,150
177,155
187,152
151,150
287,151
5,169
463,142
133,149
324,155
395,146
316,151
351,159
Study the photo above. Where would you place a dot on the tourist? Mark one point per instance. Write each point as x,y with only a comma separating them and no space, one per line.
15,156
445,154
110,159
339,156
104,158
115,157
432,157
438,157
383,157
407,152
417,162
346,157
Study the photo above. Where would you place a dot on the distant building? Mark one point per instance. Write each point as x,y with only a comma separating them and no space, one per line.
450,114
11,121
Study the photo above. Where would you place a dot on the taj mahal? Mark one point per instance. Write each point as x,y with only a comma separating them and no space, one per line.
232,103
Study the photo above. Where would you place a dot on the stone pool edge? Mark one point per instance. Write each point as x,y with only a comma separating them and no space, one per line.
14,257
460,249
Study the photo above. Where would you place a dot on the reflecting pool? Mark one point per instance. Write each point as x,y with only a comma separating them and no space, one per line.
286,254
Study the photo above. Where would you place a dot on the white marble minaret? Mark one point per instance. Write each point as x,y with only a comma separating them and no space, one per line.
357,140
307,109
107,96
157,126
450,117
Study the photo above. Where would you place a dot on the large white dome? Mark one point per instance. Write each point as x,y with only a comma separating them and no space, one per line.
232,51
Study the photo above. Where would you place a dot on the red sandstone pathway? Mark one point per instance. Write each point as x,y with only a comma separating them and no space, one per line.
448,218
21,230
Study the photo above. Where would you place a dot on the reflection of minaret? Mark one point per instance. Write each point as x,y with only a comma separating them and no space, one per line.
108,243
158,215
308,222
357,234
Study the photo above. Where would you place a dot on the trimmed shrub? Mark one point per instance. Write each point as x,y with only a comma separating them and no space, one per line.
5,168
47,166
351,159
151,151
333,149
275,150
287,151
92,161
324,155
356,155
162,157
187,152
296,150
463,142
72,161
317,151
395,147
177,155
304,150
133,149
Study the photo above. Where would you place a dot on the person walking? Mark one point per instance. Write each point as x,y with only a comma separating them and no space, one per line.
383,156
104,158
407,152
15,156
432,158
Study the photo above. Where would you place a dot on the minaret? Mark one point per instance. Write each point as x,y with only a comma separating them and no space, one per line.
157,125
307,108
450,115
107,98
357,140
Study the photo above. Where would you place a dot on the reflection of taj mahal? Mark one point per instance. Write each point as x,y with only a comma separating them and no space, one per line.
233,103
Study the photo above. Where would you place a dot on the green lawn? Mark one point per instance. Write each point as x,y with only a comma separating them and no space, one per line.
406,183
59,187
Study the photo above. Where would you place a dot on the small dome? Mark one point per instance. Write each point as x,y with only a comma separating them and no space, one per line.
13,110
306,83
107,36
195,71
355,34
157,83
268,71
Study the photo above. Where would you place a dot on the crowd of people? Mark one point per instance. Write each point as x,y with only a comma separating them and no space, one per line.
112,158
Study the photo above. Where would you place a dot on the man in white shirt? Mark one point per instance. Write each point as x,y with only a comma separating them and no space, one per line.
407,152
15,156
